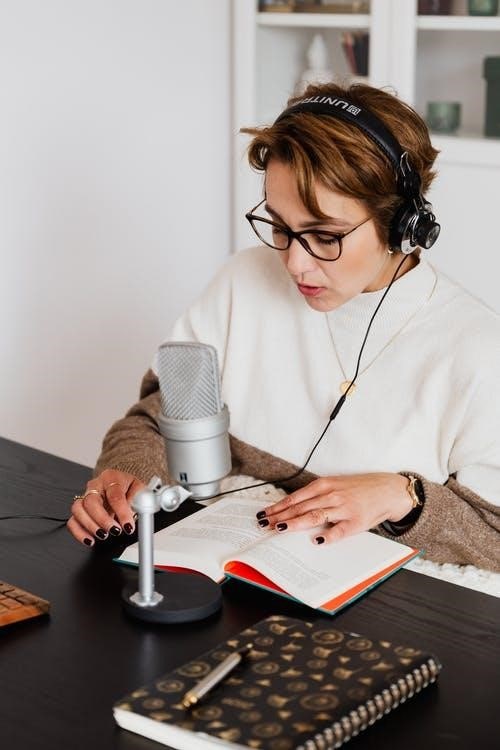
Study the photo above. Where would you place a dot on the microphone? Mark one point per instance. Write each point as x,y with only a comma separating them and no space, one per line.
193,419
194,423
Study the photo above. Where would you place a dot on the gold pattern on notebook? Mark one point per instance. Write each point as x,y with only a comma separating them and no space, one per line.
321,702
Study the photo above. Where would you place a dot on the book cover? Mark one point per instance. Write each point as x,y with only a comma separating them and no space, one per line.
301,682
224,539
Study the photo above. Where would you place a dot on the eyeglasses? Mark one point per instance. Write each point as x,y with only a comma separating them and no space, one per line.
319,243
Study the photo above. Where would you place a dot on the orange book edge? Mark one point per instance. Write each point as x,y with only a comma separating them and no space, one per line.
247,573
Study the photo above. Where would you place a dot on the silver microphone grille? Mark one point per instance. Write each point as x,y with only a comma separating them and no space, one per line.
189,380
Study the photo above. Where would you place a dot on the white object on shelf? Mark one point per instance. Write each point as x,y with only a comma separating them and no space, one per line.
318,70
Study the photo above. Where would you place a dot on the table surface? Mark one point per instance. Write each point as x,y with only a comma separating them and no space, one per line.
60,675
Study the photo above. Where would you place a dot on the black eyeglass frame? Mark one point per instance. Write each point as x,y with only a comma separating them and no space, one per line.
291,235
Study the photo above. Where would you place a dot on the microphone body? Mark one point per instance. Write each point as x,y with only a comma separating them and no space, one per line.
193,421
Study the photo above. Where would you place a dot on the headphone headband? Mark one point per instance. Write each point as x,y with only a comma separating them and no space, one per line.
351,113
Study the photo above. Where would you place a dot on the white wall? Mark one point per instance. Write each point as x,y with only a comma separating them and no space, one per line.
114,200
465,198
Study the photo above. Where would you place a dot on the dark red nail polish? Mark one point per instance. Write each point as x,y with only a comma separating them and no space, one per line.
319,539
282,526
263,522
261,514
87,541
101,534
115,530
127,528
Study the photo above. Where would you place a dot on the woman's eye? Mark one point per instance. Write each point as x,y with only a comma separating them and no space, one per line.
326,239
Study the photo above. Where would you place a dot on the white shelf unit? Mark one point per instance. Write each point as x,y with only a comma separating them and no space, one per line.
313,20
422,58
459,23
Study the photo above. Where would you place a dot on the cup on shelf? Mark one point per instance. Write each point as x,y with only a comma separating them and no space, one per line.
482,7
434,7
443,117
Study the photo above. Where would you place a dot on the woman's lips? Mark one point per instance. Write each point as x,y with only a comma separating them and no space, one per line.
309,291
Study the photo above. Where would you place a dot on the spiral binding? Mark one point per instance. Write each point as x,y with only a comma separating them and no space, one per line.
374,709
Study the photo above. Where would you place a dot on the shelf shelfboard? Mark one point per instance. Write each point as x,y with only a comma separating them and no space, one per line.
458,23
468,150
315,20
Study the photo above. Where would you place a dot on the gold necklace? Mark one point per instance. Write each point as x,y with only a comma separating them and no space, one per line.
347,386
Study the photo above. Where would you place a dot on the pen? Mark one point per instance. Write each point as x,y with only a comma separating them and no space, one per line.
214,677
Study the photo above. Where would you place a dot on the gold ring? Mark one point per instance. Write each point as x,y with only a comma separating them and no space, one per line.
77,497
91,492
112,485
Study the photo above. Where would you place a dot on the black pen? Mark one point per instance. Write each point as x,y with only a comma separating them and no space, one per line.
214,677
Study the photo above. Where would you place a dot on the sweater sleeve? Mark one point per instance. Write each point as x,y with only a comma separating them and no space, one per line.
456,526
134,444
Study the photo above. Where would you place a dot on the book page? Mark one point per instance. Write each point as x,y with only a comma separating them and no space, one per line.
313,573
204,540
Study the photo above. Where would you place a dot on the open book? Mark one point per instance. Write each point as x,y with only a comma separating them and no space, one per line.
224,539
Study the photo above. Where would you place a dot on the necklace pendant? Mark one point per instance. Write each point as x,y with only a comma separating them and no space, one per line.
344,386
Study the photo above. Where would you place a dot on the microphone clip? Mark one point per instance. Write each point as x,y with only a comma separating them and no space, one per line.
157,496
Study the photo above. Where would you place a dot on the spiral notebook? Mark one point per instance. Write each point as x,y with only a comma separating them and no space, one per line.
302,686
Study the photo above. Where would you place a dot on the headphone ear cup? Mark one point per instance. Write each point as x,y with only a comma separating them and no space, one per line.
426,229
412,227
400,229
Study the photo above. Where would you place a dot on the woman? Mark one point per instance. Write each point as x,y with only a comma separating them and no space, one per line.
337,302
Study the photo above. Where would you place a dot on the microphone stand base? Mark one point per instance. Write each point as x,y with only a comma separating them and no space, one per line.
186,598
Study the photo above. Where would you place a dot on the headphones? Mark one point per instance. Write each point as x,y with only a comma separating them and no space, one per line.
414,224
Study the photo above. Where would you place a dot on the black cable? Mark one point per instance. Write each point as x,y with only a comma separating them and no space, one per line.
333,415
336,408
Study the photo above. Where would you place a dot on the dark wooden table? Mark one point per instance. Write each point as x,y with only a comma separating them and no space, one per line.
60,676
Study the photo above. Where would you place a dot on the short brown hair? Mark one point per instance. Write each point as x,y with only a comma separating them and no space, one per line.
344,158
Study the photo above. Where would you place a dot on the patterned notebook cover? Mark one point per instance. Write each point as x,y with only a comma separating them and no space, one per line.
301,682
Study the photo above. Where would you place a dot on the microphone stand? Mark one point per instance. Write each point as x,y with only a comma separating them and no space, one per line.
179,597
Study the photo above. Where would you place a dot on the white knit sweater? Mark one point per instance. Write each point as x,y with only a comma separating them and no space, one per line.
428,393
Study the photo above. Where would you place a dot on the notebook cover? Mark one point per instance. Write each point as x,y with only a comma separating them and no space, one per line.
299,680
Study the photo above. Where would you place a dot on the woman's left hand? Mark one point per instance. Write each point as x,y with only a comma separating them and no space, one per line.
345,504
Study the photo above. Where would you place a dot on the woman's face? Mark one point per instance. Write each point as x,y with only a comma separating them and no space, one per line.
364,264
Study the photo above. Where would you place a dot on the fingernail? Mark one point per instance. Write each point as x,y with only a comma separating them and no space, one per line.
127,528
263,522
319,539
261,514
115,530
282,526
101,534
88,541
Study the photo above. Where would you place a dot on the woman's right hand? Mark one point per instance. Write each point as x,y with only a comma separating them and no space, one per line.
104,507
